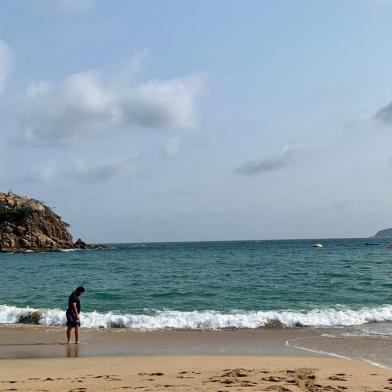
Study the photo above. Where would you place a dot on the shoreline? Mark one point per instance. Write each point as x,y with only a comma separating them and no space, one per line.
37,341
20,341
193,373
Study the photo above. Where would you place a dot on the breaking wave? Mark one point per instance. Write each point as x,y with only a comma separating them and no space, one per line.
203,320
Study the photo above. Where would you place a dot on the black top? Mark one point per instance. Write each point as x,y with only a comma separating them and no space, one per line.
72,299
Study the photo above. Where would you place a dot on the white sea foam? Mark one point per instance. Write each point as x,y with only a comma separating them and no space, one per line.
171,319
294,343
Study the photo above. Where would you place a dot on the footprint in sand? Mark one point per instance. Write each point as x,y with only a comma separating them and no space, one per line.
247,383
278,388
292,381
273,379
108,377
235,373
227,381
337,378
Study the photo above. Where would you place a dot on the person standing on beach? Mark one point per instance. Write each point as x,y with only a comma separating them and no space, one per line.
73,314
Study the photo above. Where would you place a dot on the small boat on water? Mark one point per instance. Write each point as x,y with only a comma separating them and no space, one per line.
389,246
371,243
317,245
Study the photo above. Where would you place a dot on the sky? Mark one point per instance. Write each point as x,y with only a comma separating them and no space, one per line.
200,120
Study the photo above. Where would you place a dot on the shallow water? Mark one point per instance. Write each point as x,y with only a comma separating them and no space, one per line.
362,343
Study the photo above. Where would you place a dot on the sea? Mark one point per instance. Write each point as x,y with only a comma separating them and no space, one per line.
343,289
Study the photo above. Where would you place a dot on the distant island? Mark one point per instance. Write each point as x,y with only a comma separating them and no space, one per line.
28,225
385,233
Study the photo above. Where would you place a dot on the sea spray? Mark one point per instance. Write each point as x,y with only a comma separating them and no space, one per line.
204,320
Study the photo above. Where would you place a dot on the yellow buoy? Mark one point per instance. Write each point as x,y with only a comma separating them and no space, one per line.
318,245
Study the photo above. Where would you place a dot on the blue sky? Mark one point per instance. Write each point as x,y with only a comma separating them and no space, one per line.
207,120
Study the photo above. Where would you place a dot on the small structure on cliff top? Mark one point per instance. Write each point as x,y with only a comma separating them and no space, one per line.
29,225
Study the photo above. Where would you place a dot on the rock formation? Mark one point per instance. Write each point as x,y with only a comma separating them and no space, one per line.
29,225
386,233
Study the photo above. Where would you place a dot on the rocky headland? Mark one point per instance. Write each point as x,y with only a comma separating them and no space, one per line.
27,224
385,233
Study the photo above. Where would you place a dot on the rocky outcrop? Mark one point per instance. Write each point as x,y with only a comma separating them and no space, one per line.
29,225
386,233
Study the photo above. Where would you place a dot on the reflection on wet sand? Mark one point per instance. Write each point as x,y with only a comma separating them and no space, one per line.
72,350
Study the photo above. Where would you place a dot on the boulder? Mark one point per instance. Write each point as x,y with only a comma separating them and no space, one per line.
30,318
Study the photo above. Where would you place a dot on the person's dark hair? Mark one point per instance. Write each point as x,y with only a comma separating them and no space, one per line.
80,289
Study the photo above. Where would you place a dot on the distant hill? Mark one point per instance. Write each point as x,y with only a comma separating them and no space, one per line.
386,233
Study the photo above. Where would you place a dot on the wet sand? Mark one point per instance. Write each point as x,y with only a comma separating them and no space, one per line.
23,341
192,373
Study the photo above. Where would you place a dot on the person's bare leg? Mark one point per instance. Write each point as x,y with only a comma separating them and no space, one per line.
68,334
77,335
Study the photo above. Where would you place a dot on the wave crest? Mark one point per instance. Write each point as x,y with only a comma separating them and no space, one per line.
203,320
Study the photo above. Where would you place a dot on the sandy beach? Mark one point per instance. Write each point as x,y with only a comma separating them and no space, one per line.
192,373
34,358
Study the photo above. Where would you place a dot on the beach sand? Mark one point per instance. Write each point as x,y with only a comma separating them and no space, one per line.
192,373
34,358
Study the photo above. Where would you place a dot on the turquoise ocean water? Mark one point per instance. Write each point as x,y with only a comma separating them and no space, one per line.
205,285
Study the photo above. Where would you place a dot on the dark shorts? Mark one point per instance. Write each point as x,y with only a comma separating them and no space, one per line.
72,319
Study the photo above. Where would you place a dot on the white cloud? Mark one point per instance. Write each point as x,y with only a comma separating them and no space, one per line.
286,157
86,104
91,171
5,63
97,171
168,104
67,111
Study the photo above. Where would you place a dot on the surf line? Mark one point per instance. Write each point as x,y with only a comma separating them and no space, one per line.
331,354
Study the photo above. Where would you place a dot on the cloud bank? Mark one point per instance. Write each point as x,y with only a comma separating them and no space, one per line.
286,157
93,172
5,63
85,171
87,103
